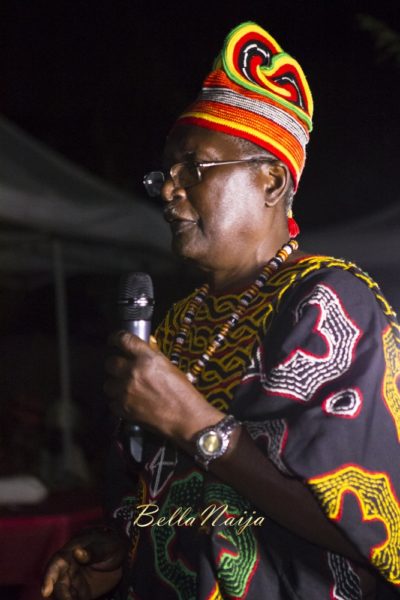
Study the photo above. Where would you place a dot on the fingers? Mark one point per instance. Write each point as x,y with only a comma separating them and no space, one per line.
80,563
118,366
129,344
59,578
108,556
82,555
153,344
56,571
47,587
121,367
115,389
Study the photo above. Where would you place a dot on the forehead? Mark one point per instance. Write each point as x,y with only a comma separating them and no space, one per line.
200,143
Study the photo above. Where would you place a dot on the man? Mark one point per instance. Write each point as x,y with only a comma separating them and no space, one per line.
270,466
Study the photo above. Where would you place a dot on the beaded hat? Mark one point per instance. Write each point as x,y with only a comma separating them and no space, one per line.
258,92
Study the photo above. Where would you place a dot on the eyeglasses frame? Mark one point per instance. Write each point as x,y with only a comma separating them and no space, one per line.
203,165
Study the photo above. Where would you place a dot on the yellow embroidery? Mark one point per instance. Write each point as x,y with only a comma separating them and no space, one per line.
228,366
377,502
223,374
390,389
141,494
318,262
215,594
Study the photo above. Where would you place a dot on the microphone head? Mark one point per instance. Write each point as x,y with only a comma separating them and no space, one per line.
135,297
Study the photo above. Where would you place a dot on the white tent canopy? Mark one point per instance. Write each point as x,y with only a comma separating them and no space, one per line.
55,217
44,197
48,197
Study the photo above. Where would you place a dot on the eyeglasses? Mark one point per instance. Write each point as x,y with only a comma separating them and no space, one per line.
187,174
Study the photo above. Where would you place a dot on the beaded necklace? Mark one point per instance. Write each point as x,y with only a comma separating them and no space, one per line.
245,299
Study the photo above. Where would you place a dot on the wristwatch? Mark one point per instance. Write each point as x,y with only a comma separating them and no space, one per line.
212,442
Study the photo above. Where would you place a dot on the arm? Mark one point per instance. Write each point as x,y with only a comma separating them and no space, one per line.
284,499
334,380
179,411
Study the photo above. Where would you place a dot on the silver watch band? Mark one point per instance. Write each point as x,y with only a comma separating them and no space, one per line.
212,442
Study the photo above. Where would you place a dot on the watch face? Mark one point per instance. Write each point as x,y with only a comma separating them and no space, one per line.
210,443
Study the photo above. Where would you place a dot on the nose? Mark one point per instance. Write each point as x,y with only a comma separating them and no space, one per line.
171,192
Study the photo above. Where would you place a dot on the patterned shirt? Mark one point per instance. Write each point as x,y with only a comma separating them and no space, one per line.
312,370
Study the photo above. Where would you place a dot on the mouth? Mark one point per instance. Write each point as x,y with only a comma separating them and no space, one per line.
178,223
181,225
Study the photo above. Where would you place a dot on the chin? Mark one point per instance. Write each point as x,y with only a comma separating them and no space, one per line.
183,248
189,255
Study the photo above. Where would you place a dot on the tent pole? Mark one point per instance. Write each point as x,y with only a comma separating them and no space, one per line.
73,462
65,402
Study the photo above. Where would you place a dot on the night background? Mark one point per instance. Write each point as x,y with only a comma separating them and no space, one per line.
101,82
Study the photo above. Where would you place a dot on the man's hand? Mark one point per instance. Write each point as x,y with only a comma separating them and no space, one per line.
87,567
146,388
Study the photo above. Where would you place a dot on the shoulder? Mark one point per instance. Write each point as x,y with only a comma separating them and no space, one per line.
336,289
345,279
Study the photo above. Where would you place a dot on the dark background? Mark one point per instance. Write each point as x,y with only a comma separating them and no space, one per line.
102,81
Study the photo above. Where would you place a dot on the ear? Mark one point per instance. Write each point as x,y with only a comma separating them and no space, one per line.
276,182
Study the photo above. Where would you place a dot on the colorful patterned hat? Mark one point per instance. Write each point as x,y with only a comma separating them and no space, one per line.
257,92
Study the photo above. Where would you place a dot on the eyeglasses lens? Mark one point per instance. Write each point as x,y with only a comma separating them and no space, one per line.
182,174
153,183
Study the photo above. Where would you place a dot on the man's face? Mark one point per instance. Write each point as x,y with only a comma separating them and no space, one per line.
221,222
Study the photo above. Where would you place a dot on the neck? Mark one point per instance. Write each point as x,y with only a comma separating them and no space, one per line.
223,281
240,277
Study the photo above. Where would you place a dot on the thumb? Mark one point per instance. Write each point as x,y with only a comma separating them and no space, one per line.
82,555
103,555
129,343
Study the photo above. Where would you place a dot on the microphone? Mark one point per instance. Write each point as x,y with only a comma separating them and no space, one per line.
135,309
136,304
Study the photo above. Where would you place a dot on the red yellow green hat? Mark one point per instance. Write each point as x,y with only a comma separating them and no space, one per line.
258,92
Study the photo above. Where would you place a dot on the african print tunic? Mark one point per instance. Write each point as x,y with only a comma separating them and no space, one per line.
312,370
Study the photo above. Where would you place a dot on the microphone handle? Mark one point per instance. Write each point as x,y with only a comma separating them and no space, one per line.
143,330
140,328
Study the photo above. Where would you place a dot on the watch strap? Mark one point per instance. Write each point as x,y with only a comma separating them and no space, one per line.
221,432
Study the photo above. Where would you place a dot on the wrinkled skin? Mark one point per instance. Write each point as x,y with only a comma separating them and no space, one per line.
232,222
89,565
145,387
